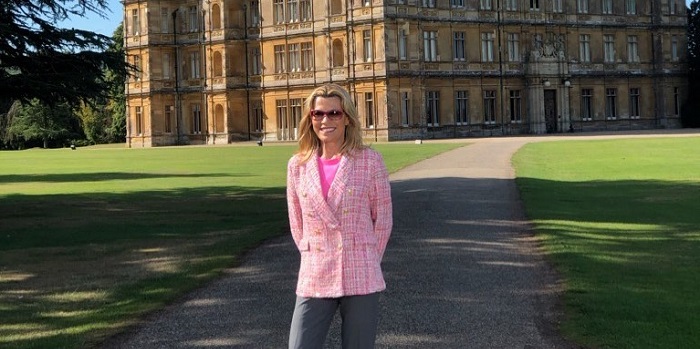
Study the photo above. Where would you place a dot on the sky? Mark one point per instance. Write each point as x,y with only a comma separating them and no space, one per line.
107,25
94,23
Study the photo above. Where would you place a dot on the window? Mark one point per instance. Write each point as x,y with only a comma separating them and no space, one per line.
138,68
369,110
166,66
585,48
535,5
459,49
487,47
430,46
631,7
674,48
557,6
429,3
511,5
280,67
485,4
432,108
258,117
403,41
462,107
139,121
294,57
305,10
513,47
292,10
295,106
609,48
607,7
281,107
135,22
164,20
405,108
611,103
632,49
196,119
457,3
489,107
255,13
307,56
255,63
672,7
167,119
676,101
634,103
515,107
194,65
367,45
194,16
278,11
582,6
586,104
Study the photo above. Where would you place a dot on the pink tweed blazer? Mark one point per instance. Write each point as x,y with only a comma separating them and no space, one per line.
342,239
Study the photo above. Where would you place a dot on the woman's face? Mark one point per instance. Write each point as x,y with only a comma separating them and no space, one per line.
329,120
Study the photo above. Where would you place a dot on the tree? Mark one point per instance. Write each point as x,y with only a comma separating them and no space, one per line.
690,114
116,104
36,121
54,65
94,120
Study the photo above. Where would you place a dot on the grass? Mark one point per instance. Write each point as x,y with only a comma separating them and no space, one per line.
93,239
619,219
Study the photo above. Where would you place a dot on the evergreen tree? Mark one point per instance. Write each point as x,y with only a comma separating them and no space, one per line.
38,122
54,65
116,105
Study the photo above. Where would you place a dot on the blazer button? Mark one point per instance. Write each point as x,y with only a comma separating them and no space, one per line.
318,248
303,194
345,211
318,232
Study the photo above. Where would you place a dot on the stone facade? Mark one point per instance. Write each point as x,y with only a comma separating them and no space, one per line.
221,71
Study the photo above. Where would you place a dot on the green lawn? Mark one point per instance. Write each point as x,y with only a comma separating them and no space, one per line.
620,219
92,239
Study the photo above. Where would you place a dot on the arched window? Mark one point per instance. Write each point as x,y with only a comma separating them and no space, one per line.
216,16
217,64
338,54
219,127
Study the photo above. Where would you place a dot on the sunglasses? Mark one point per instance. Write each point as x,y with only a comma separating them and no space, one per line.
331,114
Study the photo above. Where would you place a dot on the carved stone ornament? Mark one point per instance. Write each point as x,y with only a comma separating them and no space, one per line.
553,47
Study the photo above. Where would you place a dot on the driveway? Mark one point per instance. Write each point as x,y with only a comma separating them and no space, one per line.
462,271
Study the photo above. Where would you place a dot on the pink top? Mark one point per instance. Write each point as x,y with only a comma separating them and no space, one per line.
327,169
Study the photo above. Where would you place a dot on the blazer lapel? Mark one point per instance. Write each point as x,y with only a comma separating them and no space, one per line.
313,183
335,192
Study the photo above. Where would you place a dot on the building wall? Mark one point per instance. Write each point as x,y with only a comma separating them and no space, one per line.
225,71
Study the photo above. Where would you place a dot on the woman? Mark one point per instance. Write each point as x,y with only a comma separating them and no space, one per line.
339,203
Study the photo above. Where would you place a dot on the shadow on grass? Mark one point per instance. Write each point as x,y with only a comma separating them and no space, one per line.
628,250
71,312
70,219
102,176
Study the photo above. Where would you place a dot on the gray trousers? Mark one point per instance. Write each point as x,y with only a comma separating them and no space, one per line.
312,319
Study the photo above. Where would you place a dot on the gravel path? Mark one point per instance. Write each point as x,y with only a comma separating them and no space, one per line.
462,271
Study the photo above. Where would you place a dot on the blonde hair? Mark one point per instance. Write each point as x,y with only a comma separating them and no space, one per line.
309,142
